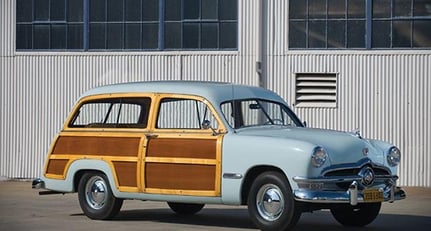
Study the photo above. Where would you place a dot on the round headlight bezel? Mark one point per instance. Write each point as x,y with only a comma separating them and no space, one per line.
319,157
393,157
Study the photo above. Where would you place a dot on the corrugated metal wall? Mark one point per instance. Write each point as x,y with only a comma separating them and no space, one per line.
385,94
7,28
39,91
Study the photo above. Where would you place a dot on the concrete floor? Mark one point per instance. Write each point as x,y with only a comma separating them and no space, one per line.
21,208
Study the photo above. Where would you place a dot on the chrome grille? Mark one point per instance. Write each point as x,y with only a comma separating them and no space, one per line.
354,171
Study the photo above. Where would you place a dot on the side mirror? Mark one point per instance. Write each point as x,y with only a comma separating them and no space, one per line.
206,124
305,123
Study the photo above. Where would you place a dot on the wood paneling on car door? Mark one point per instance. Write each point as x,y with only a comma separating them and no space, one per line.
182,165
182,148
180,176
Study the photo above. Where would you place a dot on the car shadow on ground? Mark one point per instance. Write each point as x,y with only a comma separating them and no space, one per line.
238,218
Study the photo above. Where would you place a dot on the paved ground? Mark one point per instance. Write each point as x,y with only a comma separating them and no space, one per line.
21,208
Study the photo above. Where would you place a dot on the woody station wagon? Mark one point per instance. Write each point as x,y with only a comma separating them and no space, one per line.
196,143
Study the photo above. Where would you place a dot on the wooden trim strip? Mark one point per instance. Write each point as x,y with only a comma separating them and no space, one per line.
180,160
181,192
106,158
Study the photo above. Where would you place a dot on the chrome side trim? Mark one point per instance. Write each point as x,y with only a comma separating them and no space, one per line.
232,175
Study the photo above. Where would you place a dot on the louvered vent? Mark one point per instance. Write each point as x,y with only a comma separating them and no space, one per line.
316,90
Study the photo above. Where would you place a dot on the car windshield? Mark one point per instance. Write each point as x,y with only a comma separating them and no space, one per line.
258,112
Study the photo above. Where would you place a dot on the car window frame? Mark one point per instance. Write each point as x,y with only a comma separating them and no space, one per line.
101,98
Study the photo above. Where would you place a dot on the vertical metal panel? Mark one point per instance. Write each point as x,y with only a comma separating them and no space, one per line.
7,27
247,27
277,26
386,96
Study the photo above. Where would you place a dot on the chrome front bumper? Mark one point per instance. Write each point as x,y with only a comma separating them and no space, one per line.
321,190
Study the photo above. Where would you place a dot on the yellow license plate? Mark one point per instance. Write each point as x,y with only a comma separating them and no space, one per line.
373,195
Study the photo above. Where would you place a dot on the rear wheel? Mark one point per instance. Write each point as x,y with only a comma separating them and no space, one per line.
271,204
184,208
96,198
359,215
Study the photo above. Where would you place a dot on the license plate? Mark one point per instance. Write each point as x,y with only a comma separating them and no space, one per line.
373,195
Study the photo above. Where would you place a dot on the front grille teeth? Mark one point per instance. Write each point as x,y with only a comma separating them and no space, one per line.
355,172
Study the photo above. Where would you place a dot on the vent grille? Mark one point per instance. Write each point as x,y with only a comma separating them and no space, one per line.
316,90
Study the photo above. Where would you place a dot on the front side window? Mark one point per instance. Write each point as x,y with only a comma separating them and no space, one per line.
185,114
112,113
106,25
256,112
359,24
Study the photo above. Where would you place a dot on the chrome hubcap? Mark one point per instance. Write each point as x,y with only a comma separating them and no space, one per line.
270,202
95,192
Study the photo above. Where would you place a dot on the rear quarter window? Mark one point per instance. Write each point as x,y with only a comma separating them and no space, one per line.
112,113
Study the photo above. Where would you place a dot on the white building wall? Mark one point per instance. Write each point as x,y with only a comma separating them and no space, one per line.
384,94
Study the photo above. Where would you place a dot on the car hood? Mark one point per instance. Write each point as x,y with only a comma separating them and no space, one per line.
342,147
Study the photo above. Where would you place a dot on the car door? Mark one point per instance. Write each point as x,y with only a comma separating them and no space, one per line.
183,151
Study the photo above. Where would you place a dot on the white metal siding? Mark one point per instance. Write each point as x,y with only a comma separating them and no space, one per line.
7,27
39,91
385,94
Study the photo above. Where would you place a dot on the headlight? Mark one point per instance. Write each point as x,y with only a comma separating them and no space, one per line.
319,156
393,157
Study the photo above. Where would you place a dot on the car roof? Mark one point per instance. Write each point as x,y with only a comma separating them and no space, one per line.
215,92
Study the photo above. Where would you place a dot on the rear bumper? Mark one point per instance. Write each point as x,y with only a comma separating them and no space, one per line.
38,184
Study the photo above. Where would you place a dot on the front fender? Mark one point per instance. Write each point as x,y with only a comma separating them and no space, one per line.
243,153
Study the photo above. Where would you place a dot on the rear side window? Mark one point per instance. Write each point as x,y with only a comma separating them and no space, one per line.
113,113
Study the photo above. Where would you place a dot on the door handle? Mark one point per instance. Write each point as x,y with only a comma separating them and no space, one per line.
151,136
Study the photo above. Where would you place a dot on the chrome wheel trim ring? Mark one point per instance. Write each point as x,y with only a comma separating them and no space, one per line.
95,192
270,202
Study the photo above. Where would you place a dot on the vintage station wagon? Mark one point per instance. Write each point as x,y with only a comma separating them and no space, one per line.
196,143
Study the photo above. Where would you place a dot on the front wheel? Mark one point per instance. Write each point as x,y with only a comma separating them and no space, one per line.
360,215
96,198
271,204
